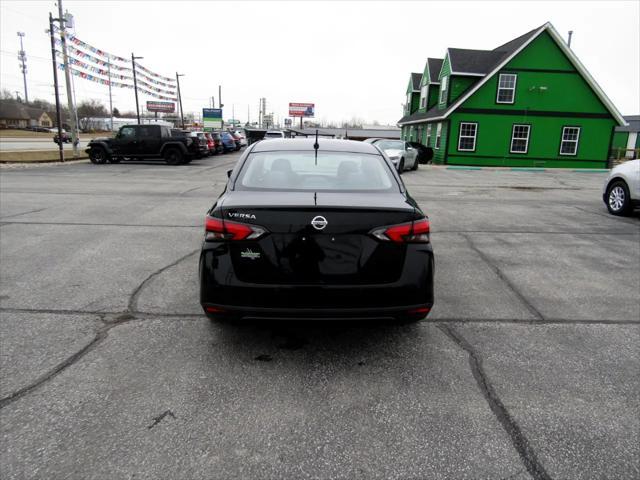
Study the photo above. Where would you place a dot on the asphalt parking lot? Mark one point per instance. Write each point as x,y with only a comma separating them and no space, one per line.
528,366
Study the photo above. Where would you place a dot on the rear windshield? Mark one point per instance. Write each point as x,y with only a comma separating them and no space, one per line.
273,134
333,171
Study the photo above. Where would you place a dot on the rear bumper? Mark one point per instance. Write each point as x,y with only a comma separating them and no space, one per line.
381,313
411,295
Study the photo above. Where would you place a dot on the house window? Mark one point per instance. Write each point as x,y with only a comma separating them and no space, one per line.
467,139
408,109
443,89
438,134
423,96
506,88
569,143
520,139
428,141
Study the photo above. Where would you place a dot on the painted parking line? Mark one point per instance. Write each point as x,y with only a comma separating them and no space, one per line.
592,170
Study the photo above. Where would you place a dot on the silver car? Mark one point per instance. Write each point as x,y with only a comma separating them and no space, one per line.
621,190
403,155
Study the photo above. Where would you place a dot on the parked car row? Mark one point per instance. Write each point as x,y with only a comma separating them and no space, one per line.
174,145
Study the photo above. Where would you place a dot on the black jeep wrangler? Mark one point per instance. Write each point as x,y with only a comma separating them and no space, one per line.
137,142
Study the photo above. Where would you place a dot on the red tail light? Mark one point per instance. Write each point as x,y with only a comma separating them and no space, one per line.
410,232
217,230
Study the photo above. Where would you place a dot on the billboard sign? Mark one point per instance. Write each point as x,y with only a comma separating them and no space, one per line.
302,109
165,107
211,118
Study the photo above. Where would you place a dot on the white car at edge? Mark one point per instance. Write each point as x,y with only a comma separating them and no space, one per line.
621,190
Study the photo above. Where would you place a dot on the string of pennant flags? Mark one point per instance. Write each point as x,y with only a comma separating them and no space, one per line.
149,75
76,54
102,81
100,71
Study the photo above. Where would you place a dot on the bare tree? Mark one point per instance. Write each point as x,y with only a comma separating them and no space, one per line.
92,108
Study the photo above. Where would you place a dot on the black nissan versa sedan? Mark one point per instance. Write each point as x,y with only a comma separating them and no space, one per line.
316,229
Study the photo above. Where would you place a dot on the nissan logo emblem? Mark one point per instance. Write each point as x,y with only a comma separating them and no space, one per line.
319,223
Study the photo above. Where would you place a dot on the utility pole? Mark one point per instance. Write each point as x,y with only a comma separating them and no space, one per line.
22,56
55,86
178,75
110,97
221,105
135,83
67,75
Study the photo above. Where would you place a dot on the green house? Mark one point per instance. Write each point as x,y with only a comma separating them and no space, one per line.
527,103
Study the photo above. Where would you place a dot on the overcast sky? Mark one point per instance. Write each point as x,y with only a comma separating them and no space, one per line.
352,59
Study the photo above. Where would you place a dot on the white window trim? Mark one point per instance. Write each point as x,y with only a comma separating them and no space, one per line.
576,141
444,85
438,136
475,135
515,84
424,95
427,139
526,145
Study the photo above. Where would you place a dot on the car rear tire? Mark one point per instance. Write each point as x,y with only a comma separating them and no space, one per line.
618,200
98,155
401,166
415,165
173,156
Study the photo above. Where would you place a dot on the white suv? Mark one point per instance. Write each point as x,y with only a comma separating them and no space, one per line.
621,190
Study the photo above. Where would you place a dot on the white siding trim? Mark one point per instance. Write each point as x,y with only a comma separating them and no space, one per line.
468,74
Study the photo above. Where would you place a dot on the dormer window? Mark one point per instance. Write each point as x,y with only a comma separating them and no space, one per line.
506,88
443,89
423,96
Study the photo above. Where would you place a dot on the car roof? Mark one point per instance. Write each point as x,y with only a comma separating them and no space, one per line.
325,144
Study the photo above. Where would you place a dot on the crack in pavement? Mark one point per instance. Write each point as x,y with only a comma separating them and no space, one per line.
12,397
133,299
533,310
511,427
23,213
436,321
159,418
100,336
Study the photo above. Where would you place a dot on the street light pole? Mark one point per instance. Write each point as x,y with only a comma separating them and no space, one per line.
55,86
22,56
178,75
135,84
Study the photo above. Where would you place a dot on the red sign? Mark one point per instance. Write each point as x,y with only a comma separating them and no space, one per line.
165,107
302,109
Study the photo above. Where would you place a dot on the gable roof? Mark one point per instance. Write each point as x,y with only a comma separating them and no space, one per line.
435,65
12,110
415,81
503,54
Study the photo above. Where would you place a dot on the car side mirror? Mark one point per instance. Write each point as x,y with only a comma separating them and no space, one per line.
229,172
